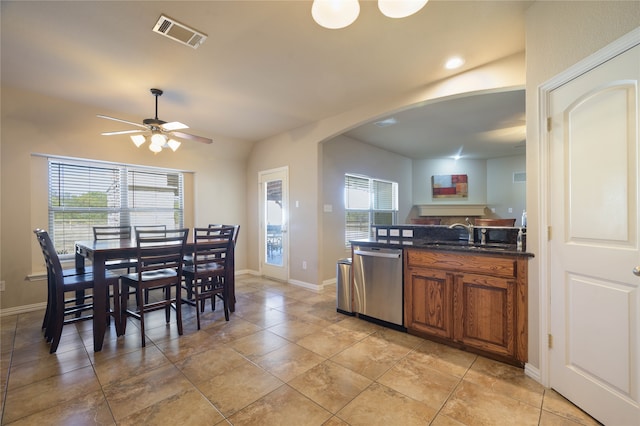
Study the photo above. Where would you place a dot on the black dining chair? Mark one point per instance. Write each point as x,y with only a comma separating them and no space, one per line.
67,301
111,232
65,272
207,276
159,256
115,233
159,228
149,228
236,231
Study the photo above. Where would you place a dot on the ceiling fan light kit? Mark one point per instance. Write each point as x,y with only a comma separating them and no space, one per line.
161,132
138,140
336,14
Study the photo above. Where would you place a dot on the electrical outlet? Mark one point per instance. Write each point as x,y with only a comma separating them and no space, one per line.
510,210
1,285
304,264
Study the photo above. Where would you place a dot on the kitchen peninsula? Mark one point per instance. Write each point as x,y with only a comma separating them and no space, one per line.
463,286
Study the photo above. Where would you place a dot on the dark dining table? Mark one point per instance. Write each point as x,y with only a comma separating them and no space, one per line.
101,251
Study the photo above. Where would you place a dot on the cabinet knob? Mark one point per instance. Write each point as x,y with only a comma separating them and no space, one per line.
636,271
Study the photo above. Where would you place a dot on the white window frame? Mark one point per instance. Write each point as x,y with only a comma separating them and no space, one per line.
135,195
362,196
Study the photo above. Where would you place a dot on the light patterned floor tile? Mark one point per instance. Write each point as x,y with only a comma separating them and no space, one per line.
186,408
330,385
289,361
475,405
380,405
285,357
232,390
284,406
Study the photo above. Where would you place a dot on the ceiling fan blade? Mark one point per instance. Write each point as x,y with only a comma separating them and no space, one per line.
122,121
174,125
122,132
191,137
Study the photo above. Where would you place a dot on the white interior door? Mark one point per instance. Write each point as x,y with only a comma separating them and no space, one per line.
274,214
594,247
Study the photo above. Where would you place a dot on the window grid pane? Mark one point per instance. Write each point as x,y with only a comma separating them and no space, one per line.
357,225
87,194
368,202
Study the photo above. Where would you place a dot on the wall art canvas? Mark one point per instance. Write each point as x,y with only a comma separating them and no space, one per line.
449,186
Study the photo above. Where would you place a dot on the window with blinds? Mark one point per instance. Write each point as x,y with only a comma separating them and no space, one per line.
368,202
84,194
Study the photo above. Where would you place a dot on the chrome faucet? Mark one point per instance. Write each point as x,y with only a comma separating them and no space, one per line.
468,227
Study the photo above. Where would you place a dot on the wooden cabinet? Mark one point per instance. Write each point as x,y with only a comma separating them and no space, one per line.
472,301
428,307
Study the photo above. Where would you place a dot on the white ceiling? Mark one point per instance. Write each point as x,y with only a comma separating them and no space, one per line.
479,126
266,66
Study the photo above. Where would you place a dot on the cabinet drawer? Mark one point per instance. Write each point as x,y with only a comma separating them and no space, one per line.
461,262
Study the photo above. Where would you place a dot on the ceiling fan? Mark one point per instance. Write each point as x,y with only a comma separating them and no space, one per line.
161,133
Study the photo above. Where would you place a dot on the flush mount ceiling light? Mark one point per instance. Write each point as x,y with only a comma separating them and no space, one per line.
400,8
335,14
454,62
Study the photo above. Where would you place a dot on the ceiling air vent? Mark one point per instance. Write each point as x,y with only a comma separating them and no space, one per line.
181,33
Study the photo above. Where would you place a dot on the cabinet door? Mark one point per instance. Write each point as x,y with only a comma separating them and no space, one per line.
484,313
428,307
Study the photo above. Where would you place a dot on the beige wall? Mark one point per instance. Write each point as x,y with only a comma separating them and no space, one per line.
502,192
34,124
346,155
300,149
559,34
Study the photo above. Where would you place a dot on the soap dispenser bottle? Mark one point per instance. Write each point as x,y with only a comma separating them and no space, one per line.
519,240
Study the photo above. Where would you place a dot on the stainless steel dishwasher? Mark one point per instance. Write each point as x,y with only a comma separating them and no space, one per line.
377,284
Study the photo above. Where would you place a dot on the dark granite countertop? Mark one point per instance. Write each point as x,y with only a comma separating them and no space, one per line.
459,246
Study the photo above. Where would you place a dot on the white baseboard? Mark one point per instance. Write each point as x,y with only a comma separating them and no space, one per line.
308,286
329,282
22,309
532,372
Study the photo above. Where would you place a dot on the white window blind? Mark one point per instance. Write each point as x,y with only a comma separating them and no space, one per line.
368,202
84,194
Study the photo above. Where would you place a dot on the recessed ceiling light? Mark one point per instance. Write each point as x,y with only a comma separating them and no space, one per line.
454,62
458,155
386,122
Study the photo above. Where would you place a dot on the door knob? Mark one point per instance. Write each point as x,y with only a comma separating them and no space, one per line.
636,271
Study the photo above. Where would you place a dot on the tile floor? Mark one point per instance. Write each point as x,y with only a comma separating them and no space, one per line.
285,358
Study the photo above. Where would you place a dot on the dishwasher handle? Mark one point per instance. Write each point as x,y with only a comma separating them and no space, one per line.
396,255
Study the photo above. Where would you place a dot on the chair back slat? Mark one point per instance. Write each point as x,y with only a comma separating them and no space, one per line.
49,252
112,232
157,228
211,248
160,249
236,230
